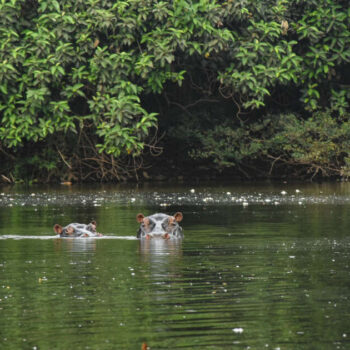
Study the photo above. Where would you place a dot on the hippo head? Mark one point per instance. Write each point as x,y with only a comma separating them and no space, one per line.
77,230
159,226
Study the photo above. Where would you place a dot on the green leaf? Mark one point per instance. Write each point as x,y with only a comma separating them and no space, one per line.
56,5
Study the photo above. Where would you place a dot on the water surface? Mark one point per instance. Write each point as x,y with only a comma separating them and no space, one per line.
261,267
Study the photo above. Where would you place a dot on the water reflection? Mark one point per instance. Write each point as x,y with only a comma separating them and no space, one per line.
163,256
76,244
160,248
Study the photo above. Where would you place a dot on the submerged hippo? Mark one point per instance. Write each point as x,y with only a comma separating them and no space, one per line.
159,226
77,230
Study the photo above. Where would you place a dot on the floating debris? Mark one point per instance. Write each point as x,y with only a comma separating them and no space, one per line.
237,330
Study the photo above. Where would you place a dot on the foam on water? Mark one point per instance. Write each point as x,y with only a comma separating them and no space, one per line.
19,237
26,237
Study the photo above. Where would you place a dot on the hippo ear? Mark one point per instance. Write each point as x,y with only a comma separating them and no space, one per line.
178,216
58,229
140,217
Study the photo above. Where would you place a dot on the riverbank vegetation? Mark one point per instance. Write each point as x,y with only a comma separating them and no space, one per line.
102,90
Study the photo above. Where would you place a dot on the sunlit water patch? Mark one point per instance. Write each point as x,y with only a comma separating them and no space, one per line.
191,196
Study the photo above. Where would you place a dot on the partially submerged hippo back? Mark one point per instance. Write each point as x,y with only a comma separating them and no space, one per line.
159,226
77,230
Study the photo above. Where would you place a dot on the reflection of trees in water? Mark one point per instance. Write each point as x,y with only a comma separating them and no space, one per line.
78,265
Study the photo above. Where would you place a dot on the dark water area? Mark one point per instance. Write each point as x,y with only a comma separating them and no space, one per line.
260,267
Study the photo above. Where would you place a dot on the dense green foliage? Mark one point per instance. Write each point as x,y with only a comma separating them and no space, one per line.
259,87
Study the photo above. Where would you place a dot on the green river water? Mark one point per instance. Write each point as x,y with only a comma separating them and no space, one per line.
260,267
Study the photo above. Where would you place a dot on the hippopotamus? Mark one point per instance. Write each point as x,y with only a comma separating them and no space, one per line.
77,230
159,226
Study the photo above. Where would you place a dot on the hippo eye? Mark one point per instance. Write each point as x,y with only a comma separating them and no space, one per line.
150,225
